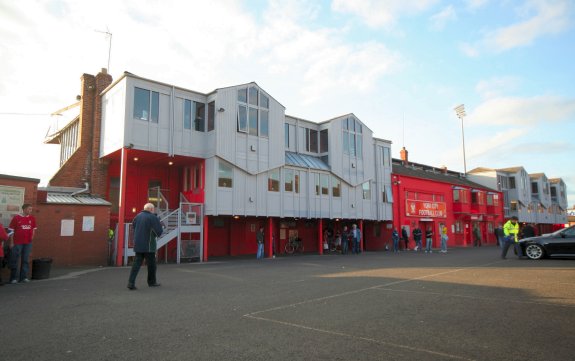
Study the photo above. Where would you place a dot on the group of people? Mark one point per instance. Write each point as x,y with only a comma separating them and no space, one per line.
417,237
22,229
511,233
344,240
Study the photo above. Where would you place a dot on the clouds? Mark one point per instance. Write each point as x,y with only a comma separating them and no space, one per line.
537,18
523,111
439,20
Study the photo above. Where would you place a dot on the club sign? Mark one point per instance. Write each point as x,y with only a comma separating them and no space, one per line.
425,209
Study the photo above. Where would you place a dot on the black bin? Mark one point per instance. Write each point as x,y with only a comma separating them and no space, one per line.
41,268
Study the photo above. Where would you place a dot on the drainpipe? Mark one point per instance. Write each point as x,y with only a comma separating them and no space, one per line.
86,188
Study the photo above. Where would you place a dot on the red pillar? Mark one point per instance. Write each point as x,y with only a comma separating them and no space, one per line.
205,240
268,240
122,207
320,235
362,235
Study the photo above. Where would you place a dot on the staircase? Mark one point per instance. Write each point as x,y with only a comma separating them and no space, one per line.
169,220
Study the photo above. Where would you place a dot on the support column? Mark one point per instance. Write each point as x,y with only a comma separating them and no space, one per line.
320,236
360,225
268,241
205,241
122,208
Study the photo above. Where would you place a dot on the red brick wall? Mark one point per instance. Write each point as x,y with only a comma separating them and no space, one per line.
85,166
81,249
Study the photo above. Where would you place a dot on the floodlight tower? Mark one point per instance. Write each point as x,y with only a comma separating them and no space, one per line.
460,111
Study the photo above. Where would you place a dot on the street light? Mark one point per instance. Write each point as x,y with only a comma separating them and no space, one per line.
460,111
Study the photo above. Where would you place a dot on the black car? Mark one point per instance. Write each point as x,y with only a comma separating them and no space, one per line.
558,243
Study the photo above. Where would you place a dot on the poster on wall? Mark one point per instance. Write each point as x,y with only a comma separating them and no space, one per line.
67,228
88,224
11,200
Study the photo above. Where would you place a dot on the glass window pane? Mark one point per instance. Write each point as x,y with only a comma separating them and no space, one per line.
242,119
199,116
316,180
346,142
224,175
211,115
345,124
313,141
335,187
324,180
366,190
253,94
357,126
264,126
323,139
141,104
253,121
359,146
243,95
351,124
352,144
296,177
187,114
307,145
264,101
274,181
288,180
155,107
286,135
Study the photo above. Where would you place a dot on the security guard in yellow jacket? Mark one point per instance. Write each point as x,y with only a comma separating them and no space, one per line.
510,230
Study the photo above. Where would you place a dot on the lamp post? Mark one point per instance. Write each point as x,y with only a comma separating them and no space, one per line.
460,111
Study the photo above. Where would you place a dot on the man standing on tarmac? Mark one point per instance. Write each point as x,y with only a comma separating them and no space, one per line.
147,228
510,231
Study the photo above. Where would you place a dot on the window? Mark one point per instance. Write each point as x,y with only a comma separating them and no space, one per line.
323,141
352,137
458,227
553,192
296,178
513,206
534,188
511,182
386,157
187,114
197,177
253,96
146,105
253,121
288,180
456,195
199,116
335,187
324,181
264,123
243,95
474,197
286,135
211,115
366,189
242,119
311,140
274,180
316,180
225,175
489,199
264,101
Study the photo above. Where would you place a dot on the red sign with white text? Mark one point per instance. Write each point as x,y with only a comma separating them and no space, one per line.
425,209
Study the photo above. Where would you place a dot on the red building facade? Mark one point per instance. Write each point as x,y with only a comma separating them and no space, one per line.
430,198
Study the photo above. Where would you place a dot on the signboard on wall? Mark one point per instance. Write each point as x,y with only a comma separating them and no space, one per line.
11,200
426,209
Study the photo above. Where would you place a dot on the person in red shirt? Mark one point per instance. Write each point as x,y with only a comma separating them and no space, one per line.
24,226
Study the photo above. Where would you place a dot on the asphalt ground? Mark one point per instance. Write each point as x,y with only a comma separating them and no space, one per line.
467,304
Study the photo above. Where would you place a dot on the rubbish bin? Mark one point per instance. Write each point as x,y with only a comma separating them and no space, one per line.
41,268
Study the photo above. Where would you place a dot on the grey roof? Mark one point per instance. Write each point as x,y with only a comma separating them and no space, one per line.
67,198
305,161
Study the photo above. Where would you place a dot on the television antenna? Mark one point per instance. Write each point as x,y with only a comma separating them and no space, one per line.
109,36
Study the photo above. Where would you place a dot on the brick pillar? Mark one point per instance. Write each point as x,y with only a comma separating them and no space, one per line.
99,168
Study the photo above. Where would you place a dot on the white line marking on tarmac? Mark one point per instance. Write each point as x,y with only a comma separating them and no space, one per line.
367,339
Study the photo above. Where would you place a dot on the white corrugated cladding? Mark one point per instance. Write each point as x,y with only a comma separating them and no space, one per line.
114,119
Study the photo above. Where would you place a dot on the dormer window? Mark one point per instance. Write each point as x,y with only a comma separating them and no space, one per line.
253,112
352,137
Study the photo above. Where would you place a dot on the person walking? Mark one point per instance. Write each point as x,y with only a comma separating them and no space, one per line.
428,240
444,238
24,226
260,240
500,236
476,236
395,239
510,231
528,231
417,238
345,240
405,237
356,238
147,228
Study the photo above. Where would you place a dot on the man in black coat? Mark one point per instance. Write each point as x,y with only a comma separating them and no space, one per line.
147,228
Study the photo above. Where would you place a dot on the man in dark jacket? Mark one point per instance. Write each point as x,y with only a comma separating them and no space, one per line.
147,228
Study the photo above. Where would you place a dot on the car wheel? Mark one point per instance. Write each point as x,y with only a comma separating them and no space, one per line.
534,251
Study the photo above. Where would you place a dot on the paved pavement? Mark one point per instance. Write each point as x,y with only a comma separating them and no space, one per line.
465,305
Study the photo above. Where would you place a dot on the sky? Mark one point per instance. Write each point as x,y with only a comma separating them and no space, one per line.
401,66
